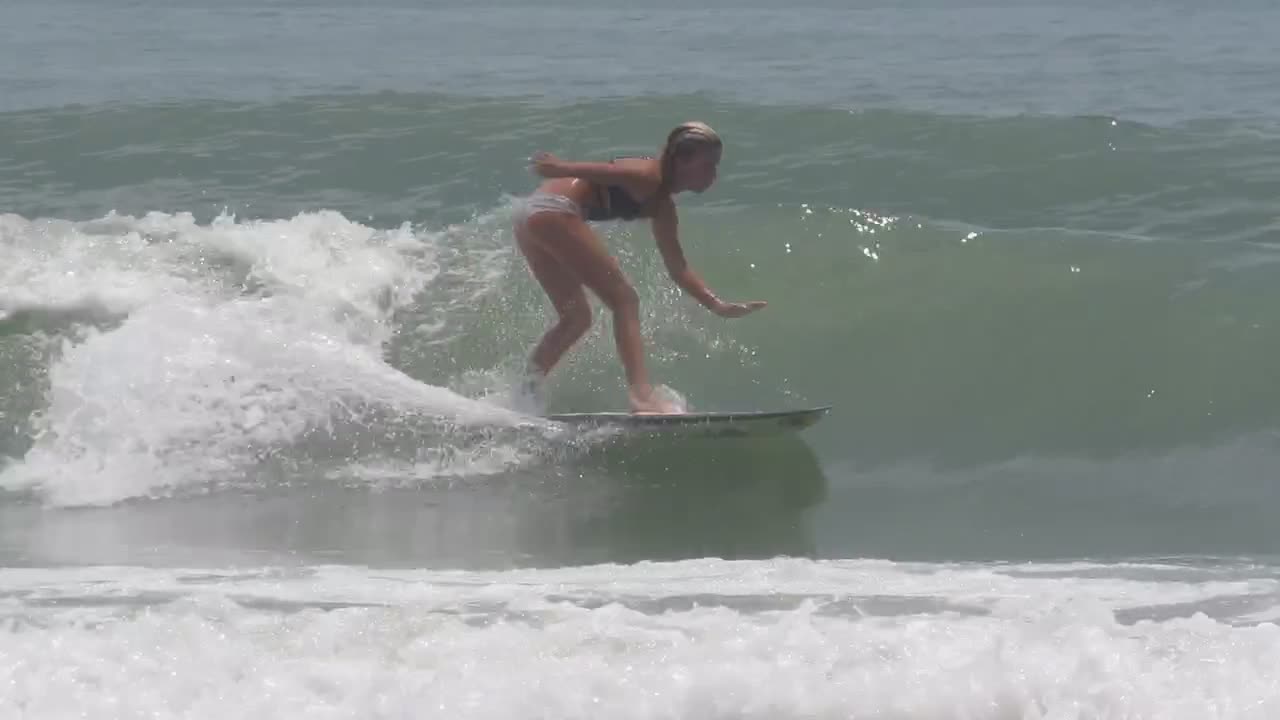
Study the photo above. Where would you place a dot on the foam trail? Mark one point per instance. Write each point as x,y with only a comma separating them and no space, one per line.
236,340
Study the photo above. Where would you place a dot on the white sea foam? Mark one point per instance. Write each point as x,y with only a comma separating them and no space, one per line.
698,639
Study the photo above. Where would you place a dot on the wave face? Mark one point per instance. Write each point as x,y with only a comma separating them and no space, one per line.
1076,303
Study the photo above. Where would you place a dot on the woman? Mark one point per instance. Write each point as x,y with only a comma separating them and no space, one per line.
565,255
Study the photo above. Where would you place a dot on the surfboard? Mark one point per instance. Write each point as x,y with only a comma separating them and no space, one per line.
749,422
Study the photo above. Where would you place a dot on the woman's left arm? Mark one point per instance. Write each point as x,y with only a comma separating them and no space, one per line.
665,231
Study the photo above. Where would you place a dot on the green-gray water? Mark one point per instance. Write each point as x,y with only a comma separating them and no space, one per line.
259,306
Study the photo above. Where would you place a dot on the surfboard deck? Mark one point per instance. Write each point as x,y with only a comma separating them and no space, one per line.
734,423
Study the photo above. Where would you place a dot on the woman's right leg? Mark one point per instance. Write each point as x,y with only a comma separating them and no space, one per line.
571,242
564,290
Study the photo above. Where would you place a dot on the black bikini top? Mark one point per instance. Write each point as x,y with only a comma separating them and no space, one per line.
618,204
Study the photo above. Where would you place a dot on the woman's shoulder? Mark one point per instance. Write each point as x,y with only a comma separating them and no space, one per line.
645,163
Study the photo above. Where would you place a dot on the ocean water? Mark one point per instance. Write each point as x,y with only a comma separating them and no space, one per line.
260,317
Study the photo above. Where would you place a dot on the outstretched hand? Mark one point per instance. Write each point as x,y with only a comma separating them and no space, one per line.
546,165
737,310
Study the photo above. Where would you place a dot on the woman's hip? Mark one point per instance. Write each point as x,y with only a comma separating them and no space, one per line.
545,202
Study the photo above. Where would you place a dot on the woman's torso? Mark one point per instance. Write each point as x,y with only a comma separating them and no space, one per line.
603,201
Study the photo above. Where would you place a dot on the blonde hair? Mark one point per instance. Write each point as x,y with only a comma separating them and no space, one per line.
686,139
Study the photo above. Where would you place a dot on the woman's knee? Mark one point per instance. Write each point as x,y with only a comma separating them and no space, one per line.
576,318
622,297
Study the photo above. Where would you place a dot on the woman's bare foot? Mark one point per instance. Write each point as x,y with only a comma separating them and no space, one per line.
652,403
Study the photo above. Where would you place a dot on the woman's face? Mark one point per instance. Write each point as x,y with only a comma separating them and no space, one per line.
697,171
